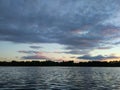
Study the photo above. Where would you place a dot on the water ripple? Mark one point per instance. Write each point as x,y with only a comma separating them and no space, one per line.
59,78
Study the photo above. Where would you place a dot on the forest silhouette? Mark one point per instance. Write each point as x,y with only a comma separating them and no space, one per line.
64,63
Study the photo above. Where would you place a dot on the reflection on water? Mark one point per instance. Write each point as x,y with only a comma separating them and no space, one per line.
59,78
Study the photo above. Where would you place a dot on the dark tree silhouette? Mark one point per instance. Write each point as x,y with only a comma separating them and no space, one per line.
68,63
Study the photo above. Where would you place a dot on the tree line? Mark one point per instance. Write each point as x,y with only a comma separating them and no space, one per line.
64,63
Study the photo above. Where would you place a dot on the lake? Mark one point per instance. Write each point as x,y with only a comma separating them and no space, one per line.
59,78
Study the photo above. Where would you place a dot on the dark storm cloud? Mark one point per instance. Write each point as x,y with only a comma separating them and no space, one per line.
79,24
98,57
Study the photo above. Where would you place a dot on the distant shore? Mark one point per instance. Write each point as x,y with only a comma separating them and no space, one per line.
68,63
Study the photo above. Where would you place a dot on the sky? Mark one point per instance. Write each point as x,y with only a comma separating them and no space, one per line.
59,30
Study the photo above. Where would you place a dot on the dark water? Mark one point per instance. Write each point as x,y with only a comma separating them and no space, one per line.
59,78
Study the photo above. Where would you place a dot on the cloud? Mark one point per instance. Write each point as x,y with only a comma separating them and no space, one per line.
31,54
34,54
28,52
114,20
103,48
35,47
116,43
35,57
82,52
79,25
98,57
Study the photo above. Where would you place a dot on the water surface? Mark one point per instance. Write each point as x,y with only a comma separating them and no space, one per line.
59,78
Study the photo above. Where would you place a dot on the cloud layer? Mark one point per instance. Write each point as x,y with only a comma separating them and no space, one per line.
80,25
98,57
35,57
31,54
35,47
